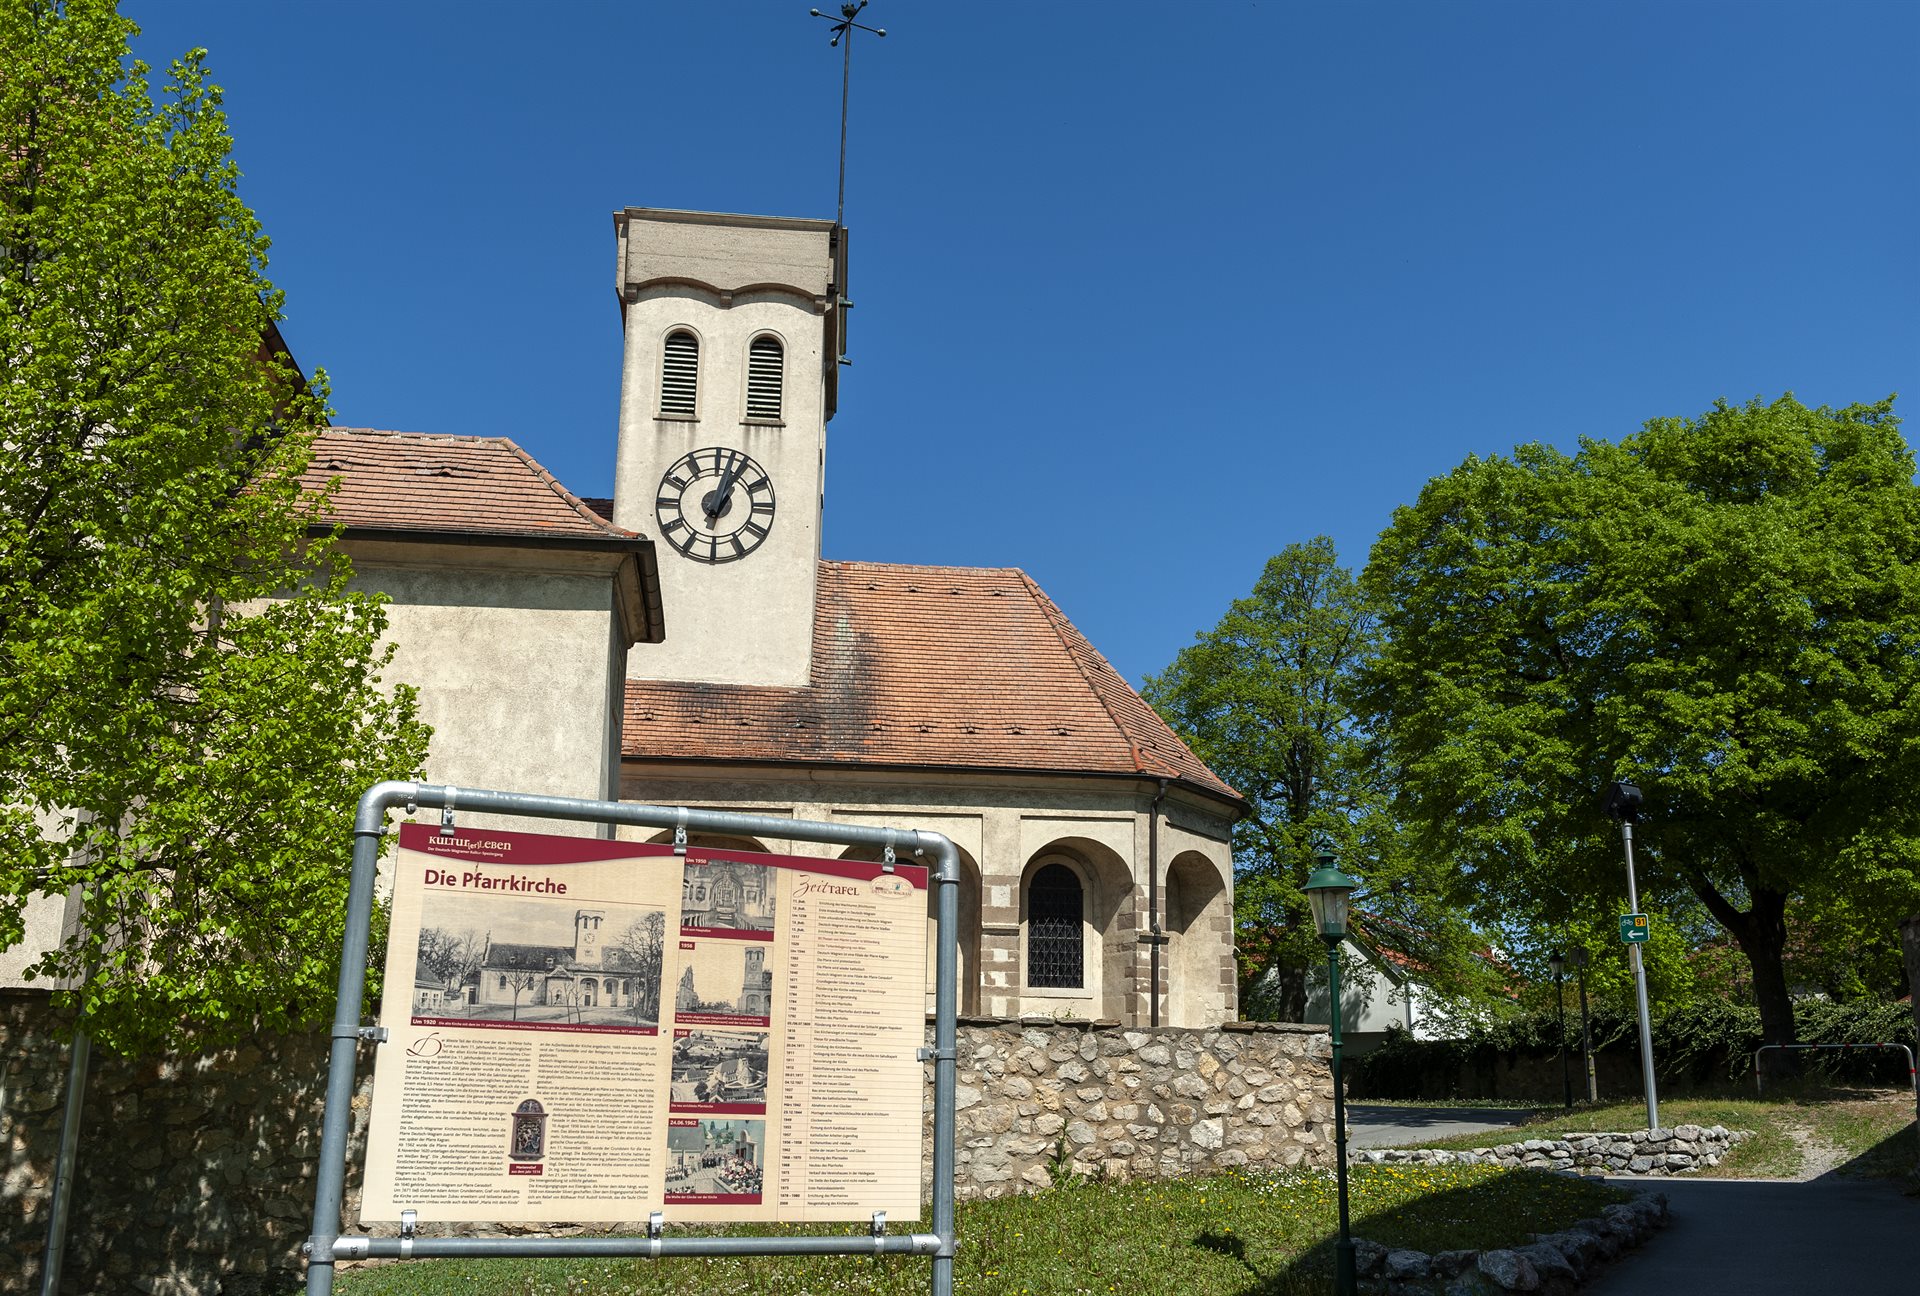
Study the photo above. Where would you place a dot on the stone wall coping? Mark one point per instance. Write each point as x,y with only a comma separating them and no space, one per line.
1112,1024
1665,1151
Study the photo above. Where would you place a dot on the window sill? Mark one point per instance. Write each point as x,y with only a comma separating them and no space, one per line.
677,418
762,422
1057,992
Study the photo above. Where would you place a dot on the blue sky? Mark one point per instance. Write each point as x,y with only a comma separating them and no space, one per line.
1146,292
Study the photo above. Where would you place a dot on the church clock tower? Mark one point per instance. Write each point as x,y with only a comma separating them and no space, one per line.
728,380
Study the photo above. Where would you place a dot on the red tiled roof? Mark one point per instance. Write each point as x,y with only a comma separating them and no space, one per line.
406,481
945,667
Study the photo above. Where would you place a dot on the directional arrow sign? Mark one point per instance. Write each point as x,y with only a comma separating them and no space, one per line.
1634,928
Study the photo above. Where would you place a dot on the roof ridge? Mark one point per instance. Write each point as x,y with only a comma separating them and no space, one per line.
567,497
938,567
423,436
1057,619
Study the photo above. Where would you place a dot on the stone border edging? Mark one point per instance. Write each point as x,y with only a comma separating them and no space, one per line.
1636,1152
1553,1264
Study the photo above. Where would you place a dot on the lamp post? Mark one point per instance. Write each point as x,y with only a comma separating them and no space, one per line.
1622,801
1327,891
1559,965
1579,956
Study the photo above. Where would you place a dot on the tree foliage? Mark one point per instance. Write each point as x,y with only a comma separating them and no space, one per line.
188,690
1263,699
1726,609
451,957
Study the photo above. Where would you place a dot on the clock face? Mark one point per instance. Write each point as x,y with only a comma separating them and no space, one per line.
715,505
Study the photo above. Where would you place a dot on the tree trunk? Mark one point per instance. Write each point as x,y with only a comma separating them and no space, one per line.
1763,939
1761,932
1910,940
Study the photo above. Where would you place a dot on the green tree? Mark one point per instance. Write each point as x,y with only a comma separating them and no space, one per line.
1263,699
1725,608
188,690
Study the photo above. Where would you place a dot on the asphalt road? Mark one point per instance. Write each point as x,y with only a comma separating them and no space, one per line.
1374,1127
1750,1236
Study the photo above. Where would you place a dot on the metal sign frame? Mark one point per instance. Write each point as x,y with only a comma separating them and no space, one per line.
327,1245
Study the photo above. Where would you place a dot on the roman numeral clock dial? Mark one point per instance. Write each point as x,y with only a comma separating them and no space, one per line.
715,505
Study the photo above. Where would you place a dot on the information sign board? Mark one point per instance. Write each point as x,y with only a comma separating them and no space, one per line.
1634,928
591,1030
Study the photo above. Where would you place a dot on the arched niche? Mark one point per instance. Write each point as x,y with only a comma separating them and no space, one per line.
1198,924
1110,933
969,923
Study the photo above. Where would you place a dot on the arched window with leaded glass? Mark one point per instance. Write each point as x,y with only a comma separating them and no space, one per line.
1056,925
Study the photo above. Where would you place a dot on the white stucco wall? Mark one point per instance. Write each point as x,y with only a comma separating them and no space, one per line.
748,621
512,654
46,918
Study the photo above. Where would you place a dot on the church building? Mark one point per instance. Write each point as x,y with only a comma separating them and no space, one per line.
684,643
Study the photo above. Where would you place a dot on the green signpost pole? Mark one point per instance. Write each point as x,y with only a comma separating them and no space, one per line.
1634,943
1622,802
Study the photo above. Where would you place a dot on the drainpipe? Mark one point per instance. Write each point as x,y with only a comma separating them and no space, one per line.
1153,904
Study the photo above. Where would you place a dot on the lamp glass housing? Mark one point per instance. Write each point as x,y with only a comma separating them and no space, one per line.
1557,962
1327,891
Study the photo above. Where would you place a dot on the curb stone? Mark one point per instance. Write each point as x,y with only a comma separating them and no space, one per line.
1552,1264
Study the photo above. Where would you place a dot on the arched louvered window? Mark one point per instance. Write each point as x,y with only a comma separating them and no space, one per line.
1056,950
766,369
680,374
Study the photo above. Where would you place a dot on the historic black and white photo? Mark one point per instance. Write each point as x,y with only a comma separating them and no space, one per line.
726,895
538,962
724,980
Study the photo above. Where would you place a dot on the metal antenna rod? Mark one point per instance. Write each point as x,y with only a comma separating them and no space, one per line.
844,28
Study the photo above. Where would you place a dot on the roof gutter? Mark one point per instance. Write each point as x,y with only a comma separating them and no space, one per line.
1236,803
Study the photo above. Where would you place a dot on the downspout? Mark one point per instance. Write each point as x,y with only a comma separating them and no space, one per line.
1153,905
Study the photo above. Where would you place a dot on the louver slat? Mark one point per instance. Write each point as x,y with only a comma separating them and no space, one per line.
765,369
680,376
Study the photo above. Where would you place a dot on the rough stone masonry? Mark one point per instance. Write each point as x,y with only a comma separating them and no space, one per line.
1635,1152
1099,1099
196,1171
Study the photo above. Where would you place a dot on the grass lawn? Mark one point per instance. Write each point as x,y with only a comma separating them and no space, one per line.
1232,1235
1800,1130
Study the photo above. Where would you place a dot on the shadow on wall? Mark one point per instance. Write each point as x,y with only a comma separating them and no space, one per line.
194,1172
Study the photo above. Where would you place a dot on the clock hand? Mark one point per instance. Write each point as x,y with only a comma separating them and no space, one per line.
724,490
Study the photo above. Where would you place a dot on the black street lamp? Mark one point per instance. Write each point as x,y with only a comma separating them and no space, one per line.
1579,956
1559,965
1327,891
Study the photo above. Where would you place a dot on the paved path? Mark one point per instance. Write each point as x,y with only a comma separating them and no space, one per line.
1371,1127
1769,1235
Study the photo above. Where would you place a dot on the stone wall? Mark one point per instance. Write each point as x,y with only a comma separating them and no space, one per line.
1639,1152
195,1173
1104,1100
